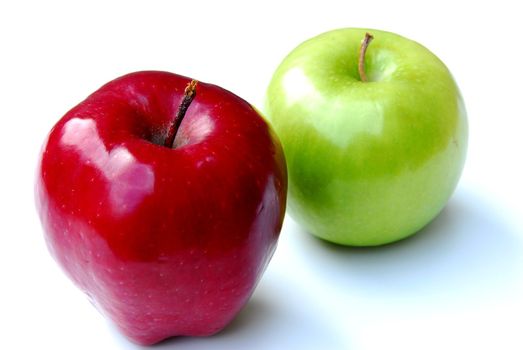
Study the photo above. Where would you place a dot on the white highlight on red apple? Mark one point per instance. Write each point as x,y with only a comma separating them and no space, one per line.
130,182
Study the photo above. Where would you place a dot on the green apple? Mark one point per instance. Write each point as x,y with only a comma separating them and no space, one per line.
375,135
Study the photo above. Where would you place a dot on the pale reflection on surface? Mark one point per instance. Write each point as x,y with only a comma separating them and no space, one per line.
196,131
298,86
366,115
129,181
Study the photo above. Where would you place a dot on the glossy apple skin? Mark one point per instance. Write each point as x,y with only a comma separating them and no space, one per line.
164,241
369,162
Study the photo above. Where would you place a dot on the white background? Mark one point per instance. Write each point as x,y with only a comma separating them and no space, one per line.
458,284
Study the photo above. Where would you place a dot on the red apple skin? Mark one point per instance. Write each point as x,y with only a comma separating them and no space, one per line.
164,241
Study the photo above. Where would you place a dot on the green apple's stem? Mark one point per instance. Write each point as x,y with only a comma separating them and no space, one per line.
363,49
188,97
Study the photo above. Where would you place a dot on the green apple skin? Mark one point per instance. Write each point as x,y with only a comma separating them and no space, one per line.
369,162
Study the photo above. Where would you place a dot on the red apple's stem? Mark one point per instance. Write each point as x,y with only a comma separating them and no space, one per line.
363,49
188,97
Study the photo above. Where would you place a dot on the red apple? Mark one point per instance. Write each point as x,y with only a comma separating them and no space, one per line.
165,240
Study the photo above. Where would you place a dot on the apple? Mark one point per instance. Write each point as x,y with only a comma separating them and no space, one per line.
374,133
162,199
